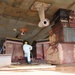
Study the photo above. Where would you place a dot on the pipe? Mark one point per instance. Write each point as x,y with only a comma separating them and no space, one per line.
43,21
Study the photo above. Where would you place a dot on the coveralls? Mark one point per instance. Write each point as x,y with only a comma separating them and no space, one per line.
27,48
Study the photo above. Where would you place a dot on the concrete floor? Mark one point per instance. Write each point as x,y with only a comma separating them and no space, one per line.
45,69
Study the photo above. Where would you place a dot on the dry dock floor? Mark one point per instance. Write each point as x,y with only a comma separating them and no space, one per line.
39,69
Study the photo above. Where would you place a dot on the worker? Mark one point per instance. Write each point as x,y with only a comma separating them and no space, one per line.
27,48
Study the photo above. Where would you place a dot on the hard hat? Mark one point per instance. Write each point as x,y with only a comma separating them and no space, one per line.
25,42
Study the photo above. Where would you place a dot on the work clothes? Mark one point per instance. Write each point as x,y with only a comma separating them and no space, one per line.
27,48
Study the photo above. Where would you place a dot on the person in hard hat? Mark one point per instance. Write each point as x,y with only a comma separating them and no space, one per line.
27,48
